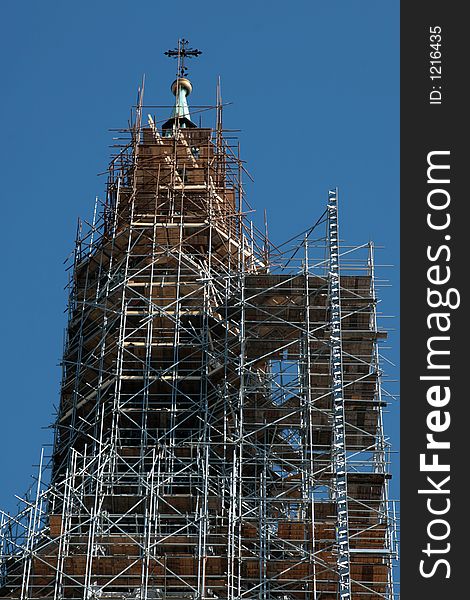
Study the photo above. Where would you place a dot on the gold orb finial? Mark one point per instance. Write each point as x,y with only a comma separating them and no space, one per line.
181,83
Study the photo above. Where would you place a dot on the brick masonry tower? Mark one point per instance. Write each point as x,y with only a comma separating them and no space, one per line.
220,430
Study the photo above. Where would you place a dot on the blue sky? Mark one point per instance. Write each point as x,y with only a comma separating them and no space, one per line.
314,87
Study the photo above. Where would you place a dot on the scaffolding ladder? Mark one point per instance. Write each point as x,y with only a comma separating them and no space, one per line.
340,487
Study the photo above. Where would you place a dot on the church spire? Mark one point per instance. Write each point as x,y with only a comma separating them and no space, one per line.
181,87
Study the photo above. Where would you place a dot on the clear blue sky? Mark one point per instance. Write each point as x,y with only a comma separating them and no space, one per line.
315,90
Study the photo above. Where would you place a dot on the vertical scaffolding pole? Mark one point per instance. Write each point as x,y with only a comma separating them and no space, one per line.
33,515
309,468
339,430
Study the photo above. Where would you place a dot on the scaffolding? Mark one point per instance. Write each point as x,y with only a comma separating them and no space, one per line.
220,429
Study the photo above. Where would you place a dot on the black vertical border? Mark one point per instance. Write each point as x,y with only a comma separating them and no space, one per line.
426,128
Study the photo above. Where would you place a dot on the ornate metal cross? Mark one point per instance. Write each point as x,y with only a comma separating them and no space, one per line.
181,53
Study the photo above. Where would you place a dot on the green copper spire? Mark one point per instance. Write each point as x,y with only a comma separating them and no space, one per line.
181,88
180,116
